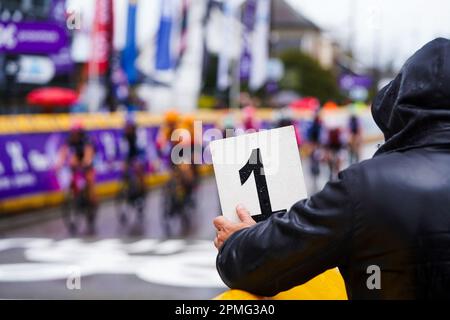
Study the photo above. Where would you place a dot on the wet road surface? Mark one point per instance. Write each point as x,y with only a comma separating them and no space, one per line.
38,259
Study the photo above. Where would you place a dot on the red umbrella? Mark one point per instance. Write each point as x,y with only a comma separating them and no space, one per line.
307,103
52,97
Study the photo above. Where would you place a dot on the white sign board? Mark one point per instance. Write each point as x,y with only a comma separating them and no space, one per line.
35,70
261,171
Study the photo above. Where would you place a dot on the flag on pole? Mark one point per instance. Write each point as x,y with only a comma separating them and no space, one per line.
210,5
62,60
102,38
99,66
184,30
248,22
163,41
130,52
260,46
223,73
58,11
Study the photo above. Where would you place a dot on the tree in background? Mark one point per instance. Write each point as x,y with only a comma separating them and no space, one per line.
307,77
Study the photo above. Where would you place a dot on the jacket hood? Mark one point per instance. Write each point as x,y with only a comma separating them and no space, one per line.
414,109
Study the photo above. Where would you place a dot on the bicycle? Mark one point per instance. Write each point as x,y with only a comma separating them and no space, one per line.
354,147
131,197
78,206
178,201
315,158
334,161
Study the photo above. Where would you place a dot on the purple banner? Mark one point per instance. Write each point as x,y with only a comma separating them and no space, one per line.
349,82
32,37
27,161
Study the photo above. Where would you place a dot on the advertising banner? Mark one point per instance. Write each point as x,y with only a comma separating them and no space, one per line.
32,38
28,161
348,82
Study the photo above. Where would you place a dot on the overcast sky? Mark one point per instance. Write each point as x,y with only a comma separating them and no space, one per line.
394,28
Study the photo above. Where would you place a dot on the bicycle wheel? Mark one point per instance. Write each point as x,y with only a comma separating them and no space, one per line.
189,205
169,206
71,216
121,206
139,208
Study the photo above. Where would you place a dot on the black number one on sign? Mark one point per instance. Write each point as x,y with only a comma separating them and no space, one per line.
255,165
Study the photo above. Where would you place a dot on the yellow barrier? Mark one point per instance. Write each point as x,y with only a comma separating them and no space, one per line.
61,122
326,286
12,124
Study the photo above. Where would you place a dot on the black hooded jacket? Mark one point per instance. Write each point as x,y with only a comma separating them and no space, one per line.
391,212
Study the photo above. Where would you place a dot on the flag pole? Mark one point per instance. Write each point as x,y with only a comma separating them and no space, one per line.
235,89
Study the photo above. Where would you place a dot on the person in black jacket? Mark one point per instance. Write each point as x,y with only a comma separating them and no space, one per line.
389,214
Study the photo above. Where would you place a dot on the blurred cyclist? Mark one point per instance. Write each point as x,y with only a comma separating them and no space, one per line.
163,140
334,147
285,118
188,168
355,139
228,125
135,158
315,131
183,172
315,155
249,119
78,151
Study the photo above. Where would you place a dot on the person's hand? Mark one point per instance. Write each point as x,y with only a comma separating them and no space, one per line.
226,228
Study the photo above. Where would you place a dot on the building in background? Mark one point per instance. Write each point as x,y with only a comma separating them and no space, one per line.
290,29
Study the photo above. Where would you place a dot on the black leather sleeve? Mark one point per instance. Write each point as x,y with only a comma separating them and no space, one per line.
288,249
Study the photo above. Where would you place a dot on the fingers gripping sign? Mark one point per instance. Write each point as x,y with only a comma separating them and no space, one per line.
226,228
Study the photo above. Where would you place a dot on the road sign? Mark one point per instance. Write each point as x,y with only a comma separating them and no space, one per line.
35,70
261,171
